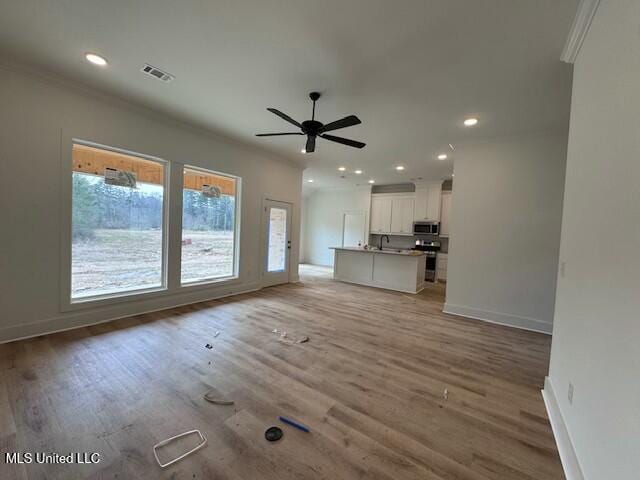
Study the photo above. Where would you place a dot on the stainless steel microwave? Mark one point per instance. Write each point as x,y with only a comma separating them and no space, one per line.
426,228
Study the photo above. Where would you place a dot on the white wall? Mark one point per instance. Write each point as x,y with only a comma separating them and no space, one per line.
325,209
37,118
505,230
596,332
304,254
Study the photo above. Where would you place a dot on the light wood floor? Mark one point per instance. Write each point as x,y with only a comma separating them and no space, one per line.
369,384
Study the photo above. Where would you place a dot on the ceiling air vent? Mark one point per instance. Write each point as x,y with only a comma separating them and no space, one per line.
157,73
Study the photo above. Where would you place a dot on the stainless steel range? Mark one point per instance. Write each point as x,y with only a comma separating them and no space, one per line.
431,249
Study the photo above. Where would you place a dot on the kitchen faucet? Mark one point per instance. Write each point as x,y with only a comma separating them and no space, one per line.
380,243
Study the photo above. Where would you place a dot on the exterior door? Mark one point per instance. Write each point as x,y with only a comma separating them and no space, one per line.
277,242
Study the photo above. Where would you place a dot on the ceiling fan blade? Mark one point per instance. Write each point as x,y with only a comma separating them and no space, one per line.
349,121
344,141
284,116
311,144
275,134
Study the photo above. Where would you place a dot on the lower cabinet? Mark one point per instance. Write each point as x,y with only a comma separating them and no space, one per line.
441,266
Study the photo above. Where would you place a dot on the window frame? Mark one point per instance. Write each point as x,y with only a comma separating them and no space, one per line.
236,231
69,303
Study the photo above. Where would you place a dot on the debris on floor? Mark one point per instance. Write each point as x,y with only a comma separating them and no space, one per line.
203,442
209,346
445,394
216,334
295,424
284,337
273,434
212,397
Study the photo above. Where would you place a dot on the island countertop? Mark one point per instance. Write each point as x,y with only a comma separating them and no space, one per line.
389,251
393,269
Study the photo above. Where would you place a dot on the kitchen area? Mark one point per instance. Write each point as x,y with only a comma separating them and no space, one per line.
407,242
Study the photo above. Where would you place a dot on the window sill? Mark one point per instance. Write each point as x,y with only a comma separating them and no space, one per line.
200,284
146,294
114,298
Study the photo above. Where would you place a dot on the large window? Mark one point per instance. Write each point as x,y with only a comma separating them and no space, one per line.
208,226
117,223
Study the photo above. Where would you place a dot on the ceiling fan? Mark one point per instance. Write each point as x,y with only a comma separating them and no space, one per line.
313,129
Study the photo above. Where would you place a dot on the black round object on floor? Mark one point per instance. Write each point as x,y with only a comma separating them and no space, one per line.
273,434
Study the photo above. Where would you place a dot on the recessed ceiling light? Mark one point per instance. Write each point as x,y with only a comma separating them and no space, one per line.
96,59
304,150
452,175
310,180
342,169
372,181
399,168
357,172
470,122
442,156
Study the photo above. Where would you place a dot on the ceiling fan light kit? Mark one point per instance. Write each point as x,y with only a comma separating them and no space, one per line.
314,129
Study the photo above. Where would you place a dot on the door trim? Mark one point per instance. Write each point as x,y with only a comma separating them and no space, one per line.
365,233
263,239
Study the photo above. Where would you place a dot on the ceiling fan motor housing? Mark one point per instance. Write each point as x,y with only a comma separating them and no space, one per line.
311,127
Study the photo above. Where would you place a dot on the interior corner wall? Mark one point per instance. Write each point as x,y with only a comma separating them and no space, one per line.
36,115
596,332
304,255
324,220
505,230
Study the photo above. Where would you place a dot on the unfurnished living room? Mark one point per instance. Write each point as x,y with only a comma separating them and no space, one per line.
291,239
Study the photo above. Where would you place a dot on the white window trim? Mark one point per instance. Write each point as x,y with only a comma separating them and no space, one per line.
67,303
236,233
172,233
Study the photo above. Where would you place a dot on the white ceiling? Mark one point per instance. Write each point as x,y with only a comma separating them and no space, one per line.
412,70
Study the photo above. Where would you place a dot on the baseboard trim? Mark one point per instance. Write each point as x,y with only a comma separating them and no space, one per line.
524,323
568,457
75,320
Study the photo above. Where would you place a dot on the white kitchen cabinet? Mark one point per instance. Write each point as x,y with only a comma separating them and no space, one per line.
420,209
427,202
381,214
441,266
445,213
392,214
434,196
402,215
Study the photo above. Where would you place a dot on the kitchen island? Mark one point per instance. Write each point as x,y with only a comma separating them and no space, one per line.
393,269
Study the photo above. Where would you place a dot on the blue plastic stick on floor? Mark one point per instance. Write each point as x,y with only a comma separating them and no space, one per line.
294,424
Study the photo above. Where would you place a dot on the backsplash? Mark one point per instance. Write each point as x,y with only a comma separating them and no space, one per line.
403,241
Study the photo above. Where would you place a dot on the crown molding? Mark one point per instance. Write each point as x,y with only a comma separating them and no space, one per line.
579,28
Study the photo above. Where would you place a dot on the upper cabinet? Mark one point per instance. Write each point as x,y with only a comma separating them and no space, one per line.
445,214
402,215
392,214
427,202
381,214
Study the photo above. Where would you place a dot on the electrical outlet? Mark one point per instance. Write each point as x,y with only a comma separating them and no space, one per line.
570,393
563,266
